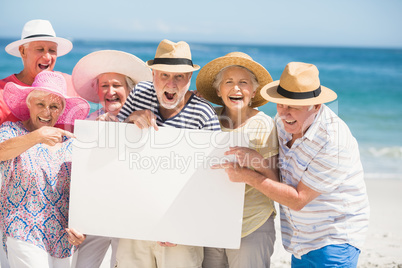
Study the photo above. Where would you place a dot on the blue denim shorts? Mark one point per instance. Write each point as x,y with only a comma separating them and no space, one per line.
342,255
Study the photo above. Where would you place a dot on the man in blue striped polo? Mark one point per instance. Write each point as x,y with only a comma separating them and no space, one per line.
322,194
166,101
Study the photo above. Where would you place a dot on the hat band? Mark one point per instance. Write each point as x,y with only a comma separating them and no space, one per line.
173,61
38,35
298,95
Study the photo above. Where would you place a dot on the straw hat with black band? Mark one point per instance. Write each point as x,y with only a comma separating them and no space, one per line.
39,30
173,57
207,75
299,85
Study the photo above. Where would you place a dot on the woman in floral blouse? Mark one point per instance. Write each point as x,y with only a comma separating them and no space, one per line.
35,163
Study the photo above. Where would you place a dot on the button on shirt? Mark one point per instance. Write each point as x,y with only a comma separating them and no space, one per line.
327,160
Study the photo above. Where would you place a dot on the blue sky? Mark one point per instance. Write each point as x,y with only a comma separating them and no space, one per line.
362,23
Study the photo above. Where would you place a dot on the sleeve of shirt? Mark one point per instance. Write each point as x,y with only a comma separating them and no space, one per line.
7,131
271,148
328,169
4,111
212,123
262,135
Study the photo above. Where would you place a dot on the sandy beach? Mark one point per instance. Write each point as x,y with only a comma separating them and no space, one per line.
383,247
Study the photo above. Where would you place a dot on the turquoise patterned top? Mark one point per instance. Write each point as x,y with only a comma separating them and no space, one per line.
34,195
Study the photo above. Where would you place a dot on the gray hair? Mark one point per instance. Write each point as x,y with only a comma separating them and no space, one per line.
41,93
218,78
130,83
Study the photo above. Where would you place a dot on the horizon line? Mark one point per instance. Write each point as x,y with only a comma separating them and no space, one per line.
220,42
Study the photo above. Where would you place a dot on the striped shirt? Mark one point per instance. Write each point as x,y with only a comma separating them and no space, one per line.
327,160
196,114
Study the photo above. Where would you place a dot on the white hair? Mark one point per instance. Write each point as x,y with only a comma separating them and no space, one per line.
41,93
218,78
130,83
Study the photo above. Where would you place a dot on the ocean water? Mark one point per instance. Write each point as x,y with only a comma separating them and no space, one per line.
368,83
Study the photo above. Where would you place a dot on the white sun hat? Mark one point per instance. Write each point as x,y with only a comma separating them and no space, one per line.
39,30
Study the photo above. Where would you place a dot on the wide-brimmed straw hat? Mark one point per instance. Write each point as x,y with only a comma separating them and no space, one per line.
173,57
207,74
39,30
52,82
299,85
106,61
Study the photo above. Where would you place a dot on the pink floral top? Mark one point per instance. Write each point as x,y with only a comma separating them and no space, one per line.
35,194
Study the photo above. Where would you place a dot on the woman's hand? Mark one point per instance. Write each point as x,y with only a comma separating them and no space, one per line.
13,147
166,244
75,238
52,135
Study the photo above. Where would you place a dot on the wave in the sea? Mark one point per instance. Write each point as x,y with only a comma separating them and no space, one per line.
382,162
393,152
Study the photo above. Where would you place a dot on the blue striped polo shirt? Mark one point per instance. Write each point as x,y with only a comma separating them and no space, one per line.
196,114
327,160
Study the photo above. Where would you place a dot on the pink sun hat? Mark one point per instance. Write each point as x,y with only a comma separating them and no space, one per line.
15,97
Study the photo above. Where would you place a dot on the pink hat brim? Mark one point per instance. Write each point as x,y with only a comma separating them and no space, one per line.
15,98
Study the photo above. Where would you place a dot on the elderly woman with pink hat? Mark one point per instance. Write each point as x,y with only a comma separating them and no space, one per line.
38,49
234,81
105,77
35,163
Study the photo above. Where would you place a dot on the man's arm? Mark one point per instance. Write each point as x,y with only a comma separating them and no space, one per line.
293,197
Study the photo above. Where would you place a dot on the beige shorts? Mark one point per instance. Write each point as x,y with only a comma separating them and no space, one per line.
140,253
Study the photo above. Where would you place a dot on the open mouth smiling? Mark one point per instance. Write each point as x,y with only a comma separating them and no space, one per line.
169,96
43,120
114,99
290,122
43,66
236,98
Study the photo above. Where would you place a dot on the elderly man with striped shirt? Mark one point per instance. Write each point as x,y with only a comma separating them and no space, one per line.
322,194
166,101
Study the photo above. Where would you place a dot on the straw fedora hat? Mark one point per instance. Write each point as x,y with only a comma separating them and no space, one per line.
299,85
39,30
207,74
106,61
173,57
15,97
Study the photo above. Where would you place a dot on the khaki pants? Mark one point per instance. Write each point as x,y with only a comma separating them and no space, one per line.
140,253
255,250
